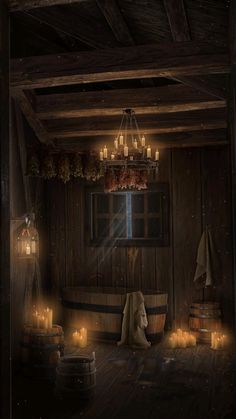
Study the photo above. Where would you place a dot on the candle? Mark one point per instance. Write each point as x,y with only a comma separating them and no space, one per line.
48,315
36,319
75,337
131,158
112,156
121,139
172,342
135,143
83,338
157,155
41,322
27,249
179,332
143,141
101,155
105,152
218,340
149,152
126,150
116,143
192,340
182,342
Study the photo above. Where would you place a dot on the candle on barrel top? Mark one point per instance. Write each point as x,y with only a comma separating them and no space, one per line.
49,315
83,337
35,319
75,337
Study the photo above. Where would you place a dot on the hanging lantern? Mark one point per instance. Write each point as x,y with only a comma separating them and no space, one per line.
27,240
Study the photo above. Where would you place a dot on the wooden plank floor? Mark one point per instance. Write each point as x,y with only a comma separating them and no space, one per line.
157,382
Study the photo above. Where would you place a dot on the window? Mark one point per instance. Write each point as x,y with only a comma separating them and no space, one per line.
130,218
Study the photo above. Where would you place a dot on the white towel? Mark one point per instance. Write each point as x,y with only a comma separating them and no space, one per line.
134,322
204,260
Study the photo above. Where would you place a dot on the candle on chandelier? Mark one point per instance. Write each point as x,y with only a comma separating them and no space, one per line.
105,152
101,155
143,141
121,139
157,155
126,150
112,156
135,143
149,152
116,144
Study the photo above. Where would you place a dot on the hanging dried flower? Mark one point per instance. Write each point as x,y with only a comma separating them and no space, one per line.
33,166
77,166
64,168
92,169
48,167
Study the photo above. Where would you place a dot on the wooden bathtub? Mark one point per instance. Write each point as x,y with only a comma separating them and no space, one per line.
100,311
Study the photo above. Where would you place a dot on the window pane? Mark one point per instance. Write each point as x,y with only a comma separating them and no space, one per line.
154,229
119,203
102,203
138,228
102,227
137,203
119,227
154,202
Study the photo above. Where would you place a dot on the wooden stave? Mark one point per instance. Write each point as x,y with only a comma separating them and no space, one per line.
204,318
40,352
79,384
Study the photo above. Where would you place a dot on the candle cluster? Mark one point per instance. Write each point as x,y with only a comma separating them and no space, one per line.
80,338
119,144
218,340
181,339
43,319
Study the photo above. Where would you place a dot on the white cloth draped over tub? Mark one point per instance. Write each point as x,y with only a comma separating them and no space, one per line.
134,322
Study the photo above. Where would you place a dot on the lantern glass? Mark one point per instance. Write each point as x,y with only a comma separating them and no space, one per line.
27,241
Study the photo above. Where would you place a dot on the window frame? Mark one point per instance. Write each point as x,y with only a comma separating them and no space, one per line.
129,242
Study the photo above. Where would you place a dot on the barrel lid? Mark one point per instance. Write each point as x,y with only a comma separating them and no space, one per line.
79,359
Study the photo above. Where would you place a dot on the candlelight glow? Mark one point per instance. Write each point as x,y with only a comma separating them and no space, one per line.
181,339
79,338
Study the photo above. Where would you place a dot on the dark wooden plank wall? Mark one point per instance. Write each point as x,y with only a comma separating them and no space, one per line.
5,346
199,195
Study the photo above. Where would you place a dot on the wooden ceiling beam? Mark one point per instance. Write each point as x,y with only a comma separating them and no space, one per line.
180,30
174,140
20,5
203,84
148,124
156,100
115,20
177,20
25,101
145,61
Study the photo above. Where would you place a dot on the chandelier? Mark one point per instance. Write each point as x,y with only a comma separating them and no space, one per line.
129,150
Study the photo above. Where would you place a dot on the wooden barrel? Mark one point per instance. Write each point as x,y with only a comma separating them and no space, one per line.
205,318
100,311
41,350
75,377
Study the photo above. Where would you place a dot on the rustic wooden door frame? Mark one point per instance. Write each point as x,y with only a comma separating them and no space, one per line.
5,362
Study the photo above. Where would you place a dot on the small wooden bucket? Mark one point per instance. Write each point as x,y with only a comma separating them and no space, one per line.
41,350
76,377
205,318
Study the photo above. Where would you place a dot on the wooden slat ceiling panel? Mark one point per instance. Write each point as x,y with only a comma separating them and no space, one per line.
147,20
208,19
